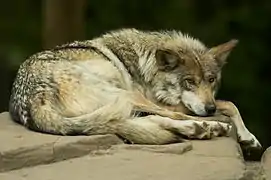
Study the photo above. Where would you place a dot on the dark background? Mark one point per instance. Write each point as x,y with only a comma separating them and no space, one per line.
28,26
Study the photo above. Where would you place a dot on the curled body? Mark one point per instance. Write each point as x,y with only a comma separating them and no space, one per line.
104,85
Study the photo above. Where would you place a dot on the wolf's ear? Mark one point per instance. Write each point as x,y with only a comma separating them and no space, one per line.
166,60
222,51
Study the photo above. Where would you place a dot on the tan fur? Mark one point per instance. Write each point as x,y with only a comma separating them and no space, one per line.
100,86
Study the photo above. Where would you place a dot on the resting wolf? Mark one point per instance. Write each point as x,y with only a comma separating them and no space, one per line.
146,87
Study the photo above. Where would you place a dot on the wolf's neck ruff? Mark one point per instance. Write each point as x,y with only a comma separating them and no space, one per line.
138,54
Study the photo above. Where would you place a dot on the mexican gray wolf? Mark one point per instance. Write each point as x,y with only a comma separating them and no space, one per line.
147,87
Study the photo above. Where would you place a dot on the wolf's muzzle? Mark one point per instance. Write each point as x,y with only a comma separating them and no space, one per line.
210,109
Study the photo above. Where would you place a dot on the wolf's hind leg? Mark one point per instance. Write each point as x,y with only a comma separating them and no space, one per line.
154,129
193,129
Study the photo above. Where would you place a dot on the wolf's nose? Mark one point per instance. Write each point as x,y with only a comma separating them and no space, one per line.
210,109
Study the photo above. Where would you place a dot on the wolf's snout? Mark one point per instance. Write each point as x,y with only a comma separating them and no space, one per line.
210,108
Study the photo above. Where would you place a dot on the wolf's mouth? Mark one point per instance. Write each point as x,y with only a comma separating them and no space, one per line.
190,108
142,114
192,113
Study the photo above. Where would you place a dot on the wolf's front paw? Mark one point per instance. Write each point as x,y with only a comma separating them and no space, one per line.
220,128
210,129
251,147
249,140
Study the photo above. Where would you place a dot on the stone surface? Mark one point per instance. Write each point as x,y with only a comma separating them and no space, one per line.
141,162
218,147
27,155
253,171
178,148
266,163
23,148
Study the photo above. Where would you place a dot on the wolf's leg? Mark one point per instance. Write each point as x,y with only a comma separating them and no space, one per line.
142,104
141,130
154,129
193,129
244,136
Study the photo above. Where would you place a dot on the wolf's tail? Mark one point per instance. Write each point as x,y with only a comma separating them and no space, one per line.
114,118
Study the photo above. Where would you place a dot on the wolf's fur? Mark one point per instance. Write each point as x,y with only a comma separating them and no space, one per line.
101,86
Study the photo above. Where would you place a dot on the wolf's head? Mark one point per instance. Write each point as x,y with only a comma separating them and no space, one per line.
190,77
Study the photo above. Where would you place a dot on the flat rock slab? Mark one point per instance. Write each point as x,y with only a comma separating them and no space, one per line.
23,148
30,155
131,163
266,163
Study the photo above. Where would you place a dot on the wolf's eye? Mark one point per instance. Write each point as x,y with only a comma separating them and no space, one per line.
211,80
190,81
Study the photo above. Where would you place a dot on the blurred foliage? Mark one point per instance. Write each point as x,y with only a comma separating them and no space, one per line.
245,78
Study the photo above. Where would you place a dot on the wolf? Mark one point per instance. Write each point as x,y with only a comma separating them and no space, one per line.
147,87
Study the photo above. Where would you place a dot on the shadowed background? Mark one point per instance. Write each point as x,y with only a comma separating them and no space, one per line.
29,26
